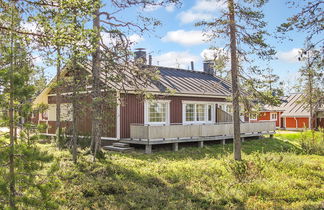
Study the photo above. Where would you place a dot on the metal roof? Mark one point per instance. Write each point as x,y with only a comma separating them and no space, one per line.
172,80
293,106
190,82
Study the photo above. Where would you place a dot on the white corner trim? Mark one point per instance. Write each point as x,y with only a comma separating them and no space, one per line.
118,116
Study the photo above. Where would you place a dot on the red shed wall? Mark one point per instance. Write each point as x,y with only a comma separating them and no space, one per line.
301,122
132,110
264,116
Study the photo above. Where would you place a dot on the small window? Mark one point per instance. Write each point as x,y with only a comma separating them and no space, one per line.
44,115
229,109
190,112
209,113
273,116
157,112
200,112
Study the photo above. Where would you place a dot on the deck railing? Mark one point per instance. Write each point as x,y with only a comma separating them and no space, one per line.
140,131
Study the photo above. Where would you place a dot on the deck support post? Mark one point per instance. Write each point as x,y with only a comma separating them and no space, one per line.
175,147
223,141
200,144
148,149
242,139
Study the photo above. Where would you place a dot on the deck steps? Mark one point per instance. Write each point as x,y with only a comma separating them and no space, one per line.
119,144
119,147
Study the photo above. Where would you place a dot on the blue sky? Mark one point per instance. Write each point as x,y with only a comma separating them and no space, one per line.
177,41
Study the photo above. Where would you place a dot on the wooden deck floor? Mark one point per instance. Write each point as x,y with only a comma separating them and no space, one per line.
200,140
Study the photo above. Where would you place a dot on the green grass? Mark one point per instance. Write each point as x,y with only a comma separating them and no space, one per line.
275,174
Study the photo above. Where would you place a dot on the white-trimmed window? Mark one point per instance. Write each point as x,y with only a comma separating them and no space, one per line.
273,116
66,112
226,107
198,112
157,112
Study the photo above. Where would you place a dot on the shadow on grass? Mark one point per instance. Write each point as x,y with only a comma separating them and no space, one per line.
265,145
33,187
131,189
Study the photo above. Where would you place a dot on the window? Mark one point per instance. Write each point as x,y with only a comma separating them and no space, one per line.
273,116
156,112
226,108
44,115
229,109
209,112
190,112
200,109
66,112
199,112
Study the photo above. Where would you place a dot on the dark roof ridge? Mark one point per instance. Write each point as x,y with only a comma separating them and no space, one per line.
178,69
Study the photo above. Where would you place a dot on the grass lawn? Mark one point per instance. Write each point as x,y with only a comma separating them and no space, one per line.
275,174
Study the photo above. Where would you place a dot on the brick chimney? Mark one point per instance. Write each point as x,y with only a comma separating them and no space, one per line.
209,67
140,53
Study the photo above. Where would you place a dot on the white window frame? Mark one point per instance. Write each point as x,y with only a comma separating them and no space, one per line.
66,112
206,103
225,104
146,112
271,113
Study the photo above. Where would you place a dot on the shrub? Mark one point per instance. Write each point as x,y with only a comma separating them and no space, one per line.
312,142
247,170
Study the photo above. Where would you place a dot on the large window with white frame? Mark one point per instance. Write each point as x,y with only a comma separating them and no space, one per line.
198,112
157,112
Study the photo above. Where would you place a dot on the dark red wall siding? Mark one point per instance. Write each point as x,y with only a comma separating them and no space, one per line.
85,120
132,110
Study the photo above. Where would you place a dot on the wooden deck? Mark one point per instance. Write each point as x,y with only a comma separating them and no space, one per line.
148,143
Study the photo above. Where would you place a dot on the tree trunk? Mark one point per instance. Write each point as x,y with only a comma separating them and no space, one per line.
96,103
74,126
12,181
58,97
235,89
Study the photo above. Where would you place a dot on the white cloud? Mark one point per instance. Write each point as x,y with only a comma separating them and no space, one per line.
135,38
190,16
202,10
289,56
185,37
170,8
209,5
210,54
151,8
176,59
